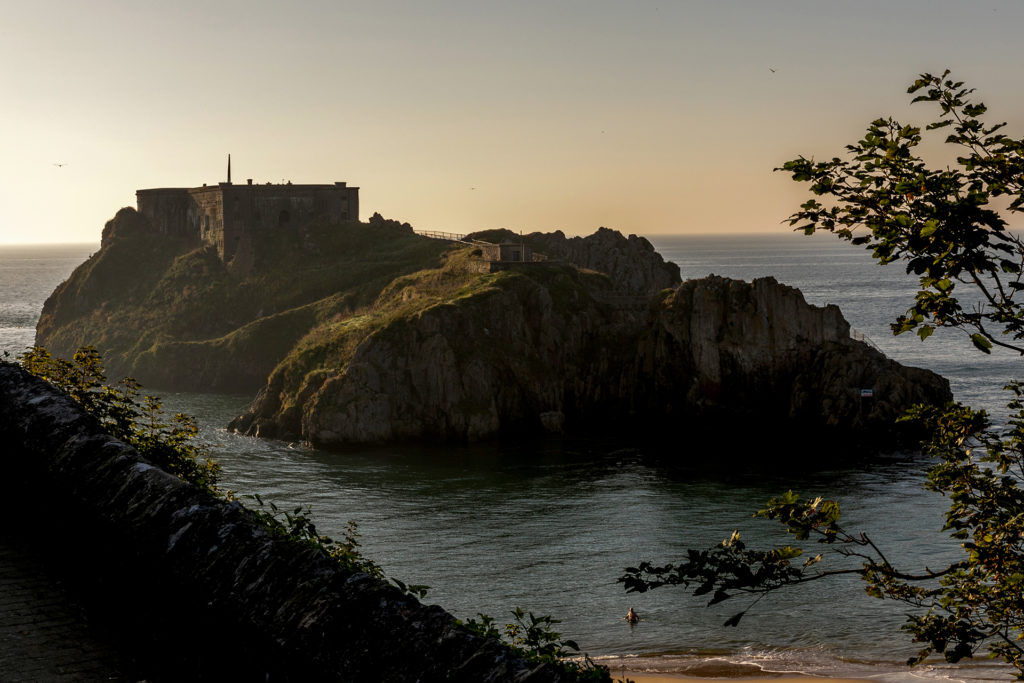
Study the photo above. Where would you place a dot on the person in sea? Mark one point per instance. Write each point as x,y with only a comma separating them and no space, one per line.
631,616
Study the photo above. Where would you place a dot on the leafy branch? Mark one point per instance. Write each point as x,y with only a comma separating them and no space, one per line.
942,224
534,638
939,221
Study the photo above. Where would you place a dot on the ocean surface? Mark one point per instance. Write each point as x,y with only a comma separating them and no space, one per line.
549,526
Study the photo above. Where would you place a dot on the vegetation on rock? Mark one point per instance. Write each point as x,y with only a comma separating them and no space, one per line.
136,419
368,333
172,314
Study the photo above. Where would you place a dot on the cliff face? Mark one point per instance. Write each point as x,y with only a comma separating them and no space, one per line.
725,349
170,313
504,353
517,358
173,315
368,333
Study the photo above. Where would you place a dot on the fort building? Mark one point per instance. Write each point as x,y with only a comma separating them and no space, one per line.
222,214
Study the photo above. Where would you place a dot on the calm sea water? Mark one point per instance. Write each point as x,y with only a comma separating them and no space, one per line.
549,526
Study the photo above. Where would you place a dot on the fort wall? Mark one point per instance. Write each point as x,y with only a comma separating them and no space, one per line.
220,215
192,580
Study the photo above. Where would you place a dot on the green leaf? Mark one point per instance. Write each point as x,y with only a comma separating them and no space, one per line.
981,342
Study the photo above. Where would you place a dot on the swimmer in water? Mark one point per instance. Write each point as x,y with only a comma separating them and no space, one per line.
631,616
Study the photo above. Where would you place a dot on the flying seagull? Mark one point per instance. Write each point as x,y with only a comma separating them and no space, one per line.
60,165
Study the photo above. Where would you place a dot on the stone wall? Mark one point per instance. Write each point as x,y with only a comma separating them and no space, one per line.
221,214
193,587
170,210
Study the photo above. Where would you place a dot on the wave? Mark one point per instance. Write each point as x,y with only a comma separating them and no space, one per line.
819,661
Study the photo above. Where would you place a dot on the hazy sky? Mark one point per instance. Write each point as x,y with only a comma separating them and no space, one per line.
650,117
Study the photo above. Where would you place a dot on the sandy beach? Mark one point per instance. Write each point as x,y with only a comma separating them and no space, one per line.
669,678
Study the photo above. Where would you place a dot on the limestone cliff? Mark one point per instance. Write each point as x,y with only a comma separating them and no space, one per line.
172,314
367,332
507,352
756,352
529,353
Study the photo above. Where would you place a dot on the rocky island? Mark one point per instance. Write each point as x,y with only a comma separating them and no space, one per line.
354,333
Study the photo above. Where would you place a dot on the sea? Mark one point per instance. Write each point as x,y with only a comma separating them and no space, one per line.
550,526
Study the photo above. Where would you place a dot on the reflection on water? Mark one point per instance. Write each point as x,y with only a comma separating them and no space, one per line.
549,526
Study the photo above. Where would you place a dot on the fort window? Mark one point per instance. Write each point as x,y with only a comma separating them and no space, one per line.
284,217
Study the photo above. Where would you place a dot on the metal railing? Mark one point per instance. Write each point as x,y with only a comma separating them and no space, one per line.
434,234
857,335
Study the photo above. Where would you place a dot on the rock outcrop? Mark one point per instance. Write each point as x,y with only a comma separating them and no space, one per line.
512,359
368,332
509,358
195,590
631,263
756,353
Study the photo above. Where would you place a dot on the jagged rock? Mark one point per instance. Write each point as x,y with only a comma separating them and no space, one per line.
713,351
500,361
631,263
367,332
757,352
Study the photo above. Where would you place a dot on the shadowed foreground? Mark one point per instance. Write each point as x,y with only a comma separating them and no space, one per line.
193,588
45,633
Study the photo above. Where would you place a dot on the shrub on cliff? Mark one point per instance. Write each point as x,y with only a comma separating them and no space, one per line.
125,415
942,223
137,420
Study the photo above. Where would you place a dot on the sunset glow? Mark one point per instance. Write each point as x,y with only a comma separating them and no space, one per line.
651,117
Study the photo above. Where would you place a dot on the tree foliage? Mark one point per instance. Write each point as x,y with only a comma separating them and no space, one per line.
941,221
949,226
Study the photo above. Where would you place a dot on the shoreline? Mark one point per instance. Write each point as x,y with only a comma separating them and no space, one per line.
675,678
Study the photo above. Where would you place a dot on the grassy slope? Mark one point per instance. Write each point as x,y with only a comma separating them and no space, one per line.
177,318
327,348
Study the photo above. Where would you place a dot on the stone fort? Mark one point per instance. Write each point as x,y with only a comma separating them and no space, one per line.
223,214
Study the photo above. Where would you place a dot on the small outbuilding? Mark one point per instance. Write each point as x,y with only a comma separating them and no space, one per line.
507,252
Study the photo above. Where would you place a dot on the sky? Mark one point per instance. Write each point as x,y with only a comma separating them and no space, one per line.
651,117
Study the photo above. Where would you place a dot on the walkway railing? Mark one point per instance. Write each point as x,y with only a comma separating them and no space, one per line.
434,234
857,335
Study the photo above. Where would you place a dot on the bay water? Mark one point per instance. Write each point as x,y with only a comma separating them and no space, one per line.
549,525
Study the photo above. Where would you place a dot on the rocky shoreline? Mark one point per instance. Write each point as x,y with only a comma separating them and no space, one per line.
370,333
711,353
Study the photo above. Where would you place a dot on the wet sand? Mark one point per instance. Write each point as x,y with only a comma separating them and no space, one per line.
670,678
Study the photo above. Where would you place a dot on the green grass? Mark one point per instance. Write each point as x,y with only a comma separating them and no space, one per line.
146,300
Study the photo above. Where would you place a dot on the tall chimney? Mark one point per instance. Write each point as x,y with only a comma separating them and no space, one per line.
229,168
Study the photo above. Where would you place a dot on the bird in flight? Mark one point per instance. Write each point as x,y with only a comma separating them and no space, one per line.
60,165
771,69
